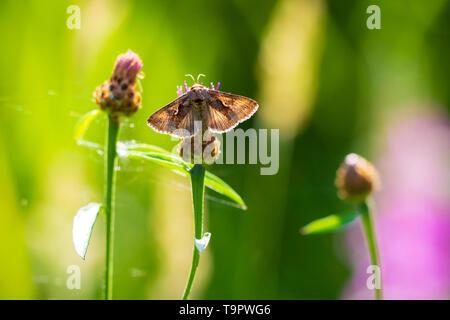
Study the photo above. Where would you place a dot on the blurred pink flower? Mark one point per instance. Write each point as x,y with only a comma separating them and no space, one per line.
413,214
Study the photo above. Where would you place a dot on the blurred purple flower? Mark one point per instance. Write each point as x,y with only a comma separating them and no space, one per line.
413,214
118,95
127,67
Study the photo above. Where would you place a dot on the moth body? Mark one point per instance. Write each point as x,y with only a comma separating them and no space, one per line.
215,110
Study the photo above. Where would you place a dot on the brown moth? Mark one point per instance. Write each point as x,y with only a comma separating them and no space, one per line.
214,110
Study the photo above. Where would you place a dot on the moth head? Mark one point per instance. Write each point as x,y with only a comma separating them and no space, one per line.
197,94
197,86
197,91
195,81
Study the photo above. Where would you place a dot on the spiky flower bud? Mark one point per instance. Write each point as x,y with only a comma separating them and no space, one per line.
356,178
118,94
193,149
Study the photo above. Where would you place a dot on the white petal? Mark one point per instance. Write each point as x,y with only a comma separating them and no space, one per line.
83,222
202,243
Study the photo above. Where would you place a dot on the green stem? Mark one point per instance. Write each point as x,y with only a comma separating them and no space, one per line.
198,189
110,163
367,222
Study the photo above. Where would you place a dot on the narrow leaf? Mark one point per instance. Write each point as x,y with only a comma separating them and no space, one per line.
328,224
84,122
142,147
166,160
159,156
215,183
83,222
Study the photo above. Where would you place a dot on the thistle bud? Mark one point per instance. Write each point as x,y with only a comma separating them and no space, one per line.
189,148
118,94
356,178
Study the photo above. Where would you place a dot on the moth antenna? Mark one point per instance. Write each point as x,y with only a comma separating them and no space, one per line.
200,75
190,75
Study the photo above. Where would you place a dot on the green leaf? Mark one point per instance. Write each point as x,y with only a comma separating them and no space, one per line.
142,147
156,155
215,183
84,122
174,162
83,222
166,160
328,224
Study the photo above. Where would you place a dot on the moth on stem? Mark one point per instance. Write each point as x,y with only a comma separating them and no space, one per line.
356,179
195,116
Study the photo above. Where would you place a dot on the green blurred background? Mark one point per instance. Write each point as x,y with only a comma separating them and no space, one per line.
321,76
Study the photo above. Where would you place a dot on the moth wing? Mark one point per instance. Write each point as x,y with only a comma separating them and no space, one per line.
227,110
176,118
